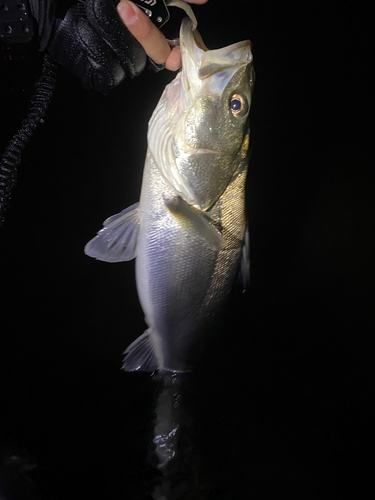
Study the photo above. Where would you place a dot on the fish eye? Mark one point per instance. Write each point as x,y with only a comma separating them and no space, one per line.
238,105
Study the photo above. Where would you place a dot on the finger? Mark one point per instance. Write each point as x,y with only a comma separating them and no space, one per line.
147,34
173,62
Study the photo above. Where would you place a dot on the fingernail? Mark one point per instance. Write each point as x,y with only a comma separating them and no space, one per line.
127,12
175,65
175,59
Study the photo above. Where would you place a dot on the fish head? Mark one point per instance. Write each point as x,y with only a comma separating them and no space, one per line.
216,93
206,119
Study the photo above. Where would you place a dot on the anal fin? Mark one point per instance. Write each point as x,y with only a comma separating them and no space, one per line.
140,355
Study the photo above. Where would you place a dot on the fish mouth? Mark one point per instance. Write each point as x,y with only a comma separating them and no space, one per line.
208,62
207,71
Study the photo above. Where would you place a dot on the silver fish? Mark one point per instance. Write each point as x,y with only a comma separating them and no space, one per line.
188,231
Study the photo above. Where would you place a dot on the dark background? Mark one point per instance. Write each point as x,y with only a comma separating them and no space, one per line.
283,401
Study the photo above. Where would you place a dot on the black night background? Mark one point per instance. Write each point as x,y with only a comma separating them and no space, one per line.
282,403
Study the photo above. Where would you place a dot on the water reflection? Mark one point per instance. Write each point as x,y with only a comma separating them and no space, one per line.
175,455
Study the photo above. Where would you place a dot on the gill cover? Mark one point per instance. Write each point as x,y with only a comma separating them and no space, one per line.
197,141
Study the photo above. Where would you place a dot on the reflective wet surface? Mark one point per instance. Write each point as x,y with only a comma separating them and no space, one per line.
282,402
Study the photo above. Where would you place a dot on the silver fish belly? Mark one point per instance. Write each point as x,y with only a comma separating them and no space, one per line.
188,230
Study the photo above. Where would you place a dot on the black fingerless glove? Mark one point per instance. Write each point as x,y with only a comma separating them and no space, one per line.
89,38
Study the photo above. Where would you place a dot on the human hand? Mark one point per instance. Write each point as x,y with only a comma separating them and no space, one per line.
149,36
91,40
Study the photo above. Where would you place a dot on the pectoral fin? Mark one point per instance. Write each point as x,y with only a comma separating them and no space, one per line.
117,241
195,220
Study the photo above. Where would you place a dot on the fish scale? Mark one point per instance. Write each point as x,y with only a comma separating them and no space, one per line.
165,273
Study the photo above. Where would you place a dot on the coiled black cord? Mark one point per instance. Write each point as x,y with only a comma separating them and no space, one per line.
38,108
